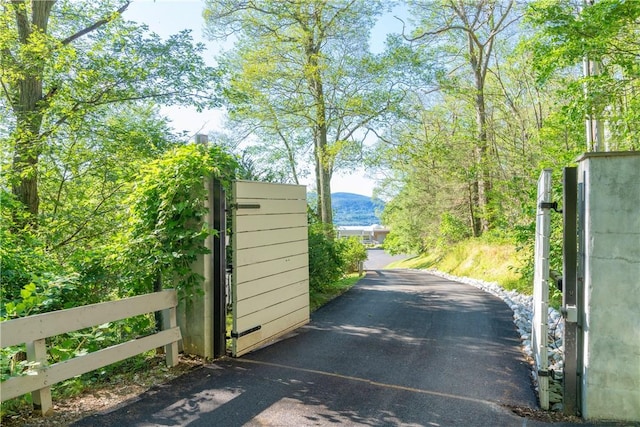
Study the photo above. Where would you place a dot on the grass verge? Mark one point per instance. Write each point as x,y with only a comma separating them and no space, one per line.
319,298
488,260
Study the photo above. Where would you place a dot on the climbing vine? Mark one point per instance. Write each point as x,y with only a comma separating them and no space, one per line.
166,230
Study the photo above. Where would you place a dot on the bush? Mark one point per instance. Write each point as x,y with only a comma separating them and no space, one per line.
326,263
330,259
452,229
353,252
24,257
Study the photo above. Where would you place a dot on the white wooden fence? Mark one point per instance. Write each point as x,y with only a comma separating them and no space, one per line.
33,331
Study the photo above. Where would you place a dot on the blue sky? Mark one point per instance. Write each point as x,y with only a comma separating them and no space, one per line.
166,17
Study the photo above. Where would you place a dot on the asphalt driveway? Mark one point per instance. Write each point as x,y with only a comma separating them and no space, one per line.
401,348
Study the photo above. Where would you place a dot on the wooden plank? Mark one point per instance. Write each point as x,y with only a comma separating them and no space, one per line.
17,386
252,256
274,297
268,222
255,239
249,289
266,190
270,207
271,313
265,269
271,331
33,328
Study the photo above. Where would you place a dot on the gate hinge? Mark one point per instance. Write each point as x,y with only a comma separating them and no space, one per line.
245,205
543,372
550,205
247,332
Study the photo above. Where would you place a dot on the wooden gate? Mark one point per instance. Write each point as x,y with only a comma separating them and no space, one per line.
270,281
539,328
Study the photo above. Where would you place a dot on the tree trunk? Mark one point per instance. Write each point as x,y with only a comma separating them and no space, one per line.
27,106
324,166
484,178
476,224
323,173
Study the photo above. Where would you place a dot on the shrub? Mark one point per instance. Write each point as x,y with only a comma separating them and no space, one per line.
352,252
452,229
326,263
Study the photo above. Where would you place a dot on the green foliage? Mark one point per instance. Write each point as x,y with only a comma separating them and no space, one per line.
352,252
112,212
45,293
160,232
13,362
452,229
166,228
309,91
537,101
326,264
61,82
606,32
486,258
331,291
23,255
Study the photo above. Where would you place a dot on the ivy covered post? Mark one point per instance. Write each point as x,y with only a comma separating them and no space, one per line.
173,231
202,316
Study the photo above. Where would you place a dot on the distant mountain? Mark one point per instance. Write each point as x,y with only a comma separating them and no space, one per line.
353,209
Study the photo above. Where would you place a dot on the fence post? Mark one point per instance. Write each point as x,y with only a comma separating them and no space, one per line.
37,353
169,320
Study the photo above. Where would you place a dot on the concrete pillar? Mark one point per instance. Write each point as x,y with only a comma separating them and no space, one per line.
610,185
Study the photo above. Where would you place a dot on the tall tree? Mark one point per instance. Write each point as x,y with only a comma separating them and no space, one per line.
466,33
63,59
604,31
301,73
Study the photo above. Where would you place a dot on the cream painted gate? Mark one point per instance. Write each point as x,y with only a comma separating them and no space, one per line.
270,281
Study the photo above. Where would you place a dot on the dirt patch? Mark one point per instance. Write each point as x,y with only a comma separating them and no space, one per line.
103,398
545,416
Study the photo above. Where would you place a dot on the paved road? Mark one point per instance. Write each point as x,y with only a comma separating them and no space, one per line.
378,259
401,348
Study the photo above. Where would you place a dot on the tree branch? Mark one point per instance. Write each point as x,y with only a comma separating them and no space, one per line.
96,25
88,218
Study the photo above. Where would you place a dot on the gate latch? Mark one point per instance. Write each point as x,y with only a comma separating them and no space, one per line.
550,205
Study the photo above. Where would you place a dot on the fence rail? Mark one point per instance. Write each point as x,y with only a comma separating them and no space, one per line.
33,331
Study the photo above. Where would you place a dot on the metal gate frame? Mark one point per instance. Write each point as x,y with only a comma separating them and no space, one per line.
572,291
219,268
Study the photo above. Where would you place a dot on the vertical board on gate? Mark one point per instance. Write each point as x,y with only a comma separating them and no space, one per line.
270,286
